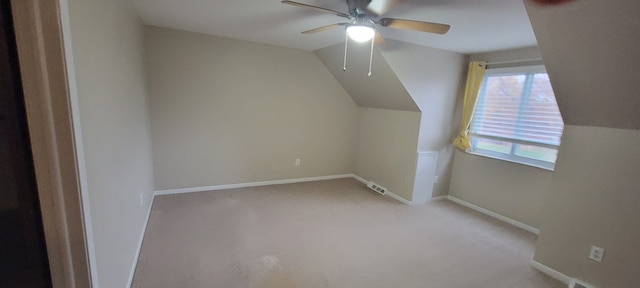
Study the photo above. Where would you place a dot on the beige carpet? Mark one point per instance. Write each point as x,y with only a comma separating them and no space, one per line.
328,234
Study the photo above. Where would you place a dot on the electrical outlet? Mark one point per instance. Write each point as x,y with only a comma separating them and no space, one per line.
141,199
596,253
297,162
435,179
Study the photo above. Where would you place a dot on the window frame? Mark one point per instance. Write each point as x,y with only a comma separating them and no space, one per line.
515,143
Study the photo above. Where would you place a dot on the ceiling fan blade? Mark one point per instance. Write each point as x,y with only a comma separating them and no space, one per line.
323,28
414,25
319,9
379,7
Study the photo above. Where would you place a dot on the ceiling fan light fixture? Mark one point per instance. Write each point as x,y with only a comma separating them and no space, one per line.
360,33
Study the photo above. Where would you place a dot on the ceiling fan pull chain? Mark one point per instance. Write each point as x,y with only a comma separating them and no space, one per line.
371,56
346,43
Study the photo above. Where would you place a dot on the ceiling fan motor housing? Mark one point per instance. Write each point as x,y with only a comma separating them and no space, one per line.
362,20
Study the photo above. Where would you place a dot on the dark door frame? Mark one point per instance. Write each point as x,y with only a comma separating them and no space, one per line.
39,26
25,259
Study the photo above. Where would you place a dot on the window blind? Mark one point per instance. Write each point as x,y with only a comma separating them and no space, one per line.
518,106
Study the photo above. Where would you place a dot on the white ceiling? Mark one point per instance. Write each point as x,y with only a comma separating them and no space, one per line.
476,25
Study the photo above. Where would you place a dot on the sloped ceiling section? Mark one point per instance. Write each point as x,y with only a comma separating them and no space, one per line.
382,90
435,80
590,49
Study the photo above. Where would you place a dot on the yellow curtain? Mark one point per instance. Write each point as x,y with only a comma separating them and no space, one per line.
474,81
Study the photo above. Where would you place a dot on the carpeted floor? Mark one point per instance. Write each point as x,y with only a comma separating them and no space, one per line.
331,233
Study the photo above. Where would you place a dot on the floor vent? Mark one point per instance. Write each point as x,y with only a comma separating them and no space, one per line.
375,187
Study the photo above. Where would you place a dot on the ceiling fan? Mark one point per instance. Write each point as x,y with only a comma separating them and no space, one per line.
363,16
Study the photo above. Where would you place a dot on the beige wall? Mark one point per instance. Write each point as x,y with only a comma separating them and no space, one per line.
435,80
107,44
387,145
510,189
590,50
594,199
227,111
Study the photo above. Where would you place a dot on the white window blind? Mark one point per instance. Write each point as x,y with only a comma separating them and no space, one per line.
516,113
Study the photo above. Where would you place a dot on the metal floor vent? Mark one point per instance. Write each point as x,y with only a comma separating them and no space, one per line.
375,187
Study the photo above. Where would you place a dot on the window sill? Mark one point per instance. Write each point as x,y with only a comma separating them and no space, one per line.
512,160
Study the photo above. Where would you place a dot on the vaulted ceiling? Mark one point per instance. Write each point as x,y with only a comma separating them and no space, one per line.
476,25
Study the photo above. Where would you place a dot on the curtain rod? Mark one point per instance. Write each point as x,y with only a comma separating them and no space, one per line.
514,61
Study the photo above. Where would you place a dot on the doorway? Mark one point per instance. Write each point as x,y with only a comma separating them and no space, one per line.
23,255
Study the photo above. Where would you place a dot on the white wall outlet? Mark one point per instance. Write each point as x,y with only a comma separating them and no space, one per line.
435,179
297,162
596,253
141,199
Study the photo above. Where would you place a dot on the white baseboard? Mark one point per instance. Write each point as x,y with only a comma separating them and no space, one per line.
552,273
495,215
439,198
251,184
273,182
398,197
139,248
364,181
575,281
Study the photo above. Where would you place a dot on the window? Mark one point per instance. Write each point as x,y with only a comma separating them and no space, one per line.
516,117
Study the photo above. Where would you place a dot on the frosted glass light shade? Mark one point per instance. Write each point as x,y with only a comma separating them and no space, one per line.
360,33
